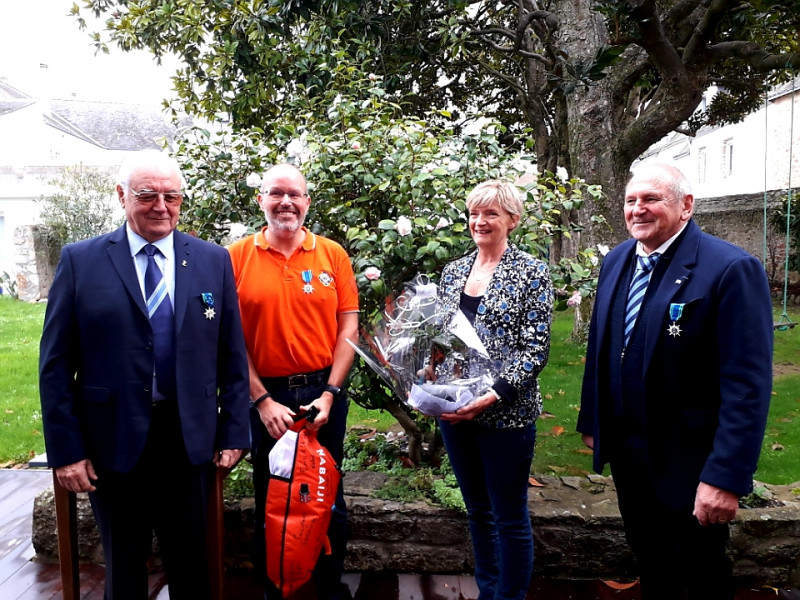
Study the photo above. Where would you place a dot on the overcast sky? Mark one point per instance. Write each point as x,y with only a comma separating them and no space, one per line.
44,54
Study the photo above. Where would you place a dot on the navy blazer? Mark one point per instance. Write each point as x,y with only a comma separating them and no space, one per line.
707,385
96,355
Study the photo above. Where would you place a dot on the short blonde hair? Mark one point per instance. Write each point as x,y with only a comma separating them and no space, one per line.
505,193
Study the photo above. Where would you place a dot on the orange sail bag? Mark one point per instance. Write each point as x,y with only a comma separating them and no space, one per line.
301,494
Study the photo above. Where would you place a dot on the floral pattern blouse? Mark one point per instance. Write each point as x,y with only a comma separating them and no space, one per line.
513,322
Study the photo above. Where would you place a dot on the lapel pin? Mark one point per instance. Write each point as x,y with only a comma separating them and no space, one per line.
184,263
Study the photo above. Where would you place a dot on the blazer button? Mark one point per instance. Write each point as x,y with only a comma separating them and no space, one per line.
148,346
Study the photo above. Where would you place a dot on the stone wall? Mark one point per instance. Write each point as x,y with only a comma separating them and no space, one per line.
577,530
34,267
740,220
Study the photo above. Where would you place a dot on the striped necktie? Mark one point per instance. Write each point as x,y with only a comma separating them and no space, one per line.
159,309
644,268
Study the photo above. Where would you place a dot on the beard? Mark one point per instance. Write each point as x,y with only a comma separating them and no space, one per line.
279,223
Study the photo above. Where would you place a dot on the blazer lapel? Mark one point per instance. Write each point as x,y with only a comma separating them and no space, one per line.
184,266
120,254
614,278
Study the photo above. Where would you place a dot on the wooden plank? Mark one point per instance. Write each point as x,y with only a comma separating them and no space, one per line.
215,539
67,530
33,581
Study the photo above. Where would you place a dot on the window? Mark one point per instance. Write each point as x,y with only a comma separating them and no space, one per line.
727,158
701,164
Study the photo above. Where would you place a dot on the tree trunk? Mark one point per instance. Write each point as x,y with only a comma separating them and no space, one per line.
410,427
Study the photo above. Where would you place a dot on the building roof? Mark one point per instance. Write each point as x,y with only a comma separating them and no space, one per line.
108,125
12,99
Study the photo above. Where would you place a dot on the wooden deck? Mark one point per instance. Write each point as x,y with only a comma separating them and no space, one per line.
22,577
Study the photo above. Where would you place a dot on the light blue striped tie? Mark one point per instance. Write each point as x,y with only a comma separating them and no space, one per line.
159,309
644,268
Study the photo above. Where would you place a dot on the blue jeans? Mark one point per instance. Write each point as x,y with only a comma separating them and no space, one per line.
492,467
328,572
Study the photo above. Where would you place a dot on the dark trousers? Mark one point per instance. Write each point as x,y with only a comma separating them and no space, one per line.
677,557
164,494
492,467
328,572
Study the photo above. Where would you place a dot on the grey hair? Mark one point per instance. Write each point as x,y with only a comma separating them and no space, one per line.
146,159
505,193
678,183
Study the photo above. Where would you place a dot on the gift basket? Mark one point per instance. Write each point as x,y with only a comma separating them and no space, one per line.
433,364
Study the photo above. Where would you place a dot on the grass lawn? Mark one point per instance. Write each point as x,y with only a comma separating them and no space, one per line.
20,330
558,449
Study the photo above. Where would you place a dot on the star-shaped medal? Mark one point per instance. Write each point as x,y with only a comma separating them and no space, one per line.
209,313
674,329
307,278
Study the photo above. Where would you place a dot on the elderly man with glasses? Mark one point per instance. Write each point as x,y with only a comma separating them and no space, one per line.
144,383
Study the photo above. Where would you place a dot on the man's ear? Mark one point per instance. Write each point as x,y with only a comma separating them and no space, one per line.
688,207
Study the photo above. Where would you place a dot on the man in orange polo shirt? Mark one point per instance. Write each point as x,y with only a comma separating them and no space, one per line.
299,303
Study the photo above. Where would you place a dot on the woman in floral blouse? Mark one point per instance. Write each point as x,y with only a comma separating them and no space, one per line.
507,296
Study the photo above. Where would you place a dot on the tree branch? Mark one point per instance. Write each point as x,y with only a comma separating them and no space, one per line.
655,42
756,56
705,29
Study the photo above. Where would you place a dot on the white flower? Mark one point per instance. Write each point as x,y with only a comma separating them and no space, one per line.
443,222
561,173
254,180
453,166
403,226
295,148
356,145
602,249
574,300
372,76
372,273
594,260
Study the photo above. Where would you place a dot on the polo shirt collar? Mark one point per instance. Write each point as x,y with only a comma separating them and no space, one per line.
309,242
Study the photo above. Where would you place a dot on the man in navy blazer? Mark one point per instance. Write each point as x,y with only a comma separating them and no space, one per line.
678,411
145,447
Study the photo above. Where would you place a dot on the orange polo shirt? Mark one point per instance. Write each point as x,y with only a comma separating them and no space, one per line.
290,307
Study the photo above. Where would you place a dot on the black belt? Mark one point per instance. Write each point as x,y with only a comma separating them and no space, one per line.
297,381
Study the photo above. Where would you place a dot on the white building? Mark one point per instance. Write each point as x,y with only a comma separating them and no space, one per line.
39,137
749,157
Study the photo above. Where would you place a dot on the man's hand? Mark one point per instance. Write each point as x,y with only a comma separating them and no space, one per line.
323,404
588,440
714,505
78,476
227,459
276,417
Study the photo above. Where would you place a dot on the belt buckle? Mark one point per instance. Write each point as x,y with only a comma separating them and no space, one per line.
298,380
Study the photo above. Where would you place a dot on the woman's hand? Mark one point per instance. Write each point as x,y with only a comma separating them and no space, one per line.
471,410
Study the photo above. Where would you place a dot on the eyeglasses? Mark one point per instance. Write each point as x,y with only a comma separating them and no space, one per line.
149,196
277,195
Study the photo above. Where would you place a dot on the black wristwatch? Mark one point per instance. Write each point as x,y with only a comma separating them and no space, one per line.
335,390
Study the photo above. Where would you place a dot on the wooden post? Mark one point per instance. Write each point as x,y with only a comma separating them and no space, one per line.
67,530
215,539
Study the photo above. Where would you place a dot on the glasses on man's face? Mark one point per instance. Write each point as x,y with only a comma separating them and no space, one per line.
277,195
149,196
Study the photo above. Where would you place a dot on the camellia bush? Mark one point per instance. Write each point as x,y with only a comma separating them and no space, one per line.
390,188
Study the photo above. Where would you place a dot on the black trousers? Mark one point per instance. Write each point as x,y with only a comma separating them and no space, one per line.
677,557
164,494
